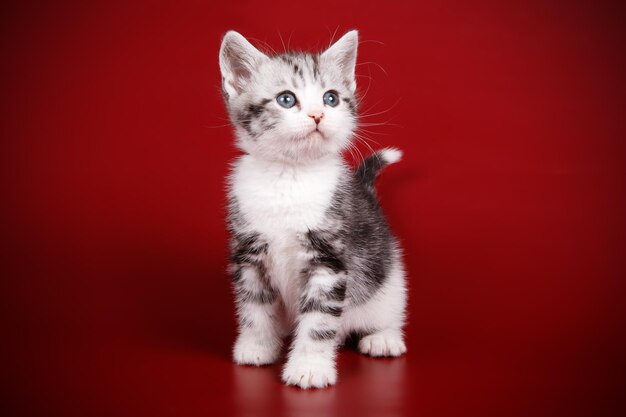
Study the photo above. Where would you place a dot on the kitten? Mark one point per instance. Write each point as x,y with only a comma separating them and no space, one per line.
311,250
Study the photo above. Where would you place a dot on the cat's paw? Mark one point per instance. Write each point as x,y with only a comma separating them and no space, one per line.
310,371
382,344
248,351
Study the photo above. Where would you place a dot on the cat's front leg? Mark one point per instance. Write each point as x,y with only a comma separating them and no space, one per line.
259,341
311,362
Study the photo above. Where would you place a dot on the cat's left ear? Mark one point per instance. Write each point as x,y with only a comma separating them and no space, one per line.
343,54
238,61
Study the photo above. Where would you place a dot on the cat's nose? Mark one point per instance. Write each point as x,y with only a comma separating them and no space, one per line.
317,117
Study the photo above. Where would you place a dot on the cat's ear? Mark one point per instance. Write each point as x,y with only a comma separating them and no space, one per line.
343,54
238,61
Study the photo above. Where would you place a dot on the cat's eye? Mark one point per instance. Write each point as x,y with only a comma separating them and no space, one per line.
331,98
286,99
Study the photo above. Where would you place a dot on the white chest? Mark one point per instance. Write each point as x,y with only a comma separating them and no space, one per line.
281,203
276,200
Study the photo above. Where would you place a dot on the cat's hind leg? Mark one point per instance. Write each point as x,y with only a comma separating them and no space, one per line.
380,320
388,342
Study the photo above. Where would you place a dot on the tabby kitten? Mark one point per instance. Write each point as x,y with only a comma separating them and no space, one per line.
312,254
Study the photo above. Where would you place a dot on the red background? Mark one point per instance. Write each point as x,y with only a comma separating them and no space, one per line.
510,203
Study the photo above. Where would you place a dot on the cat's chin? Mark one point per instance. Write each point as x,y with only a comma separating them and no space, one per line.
316,134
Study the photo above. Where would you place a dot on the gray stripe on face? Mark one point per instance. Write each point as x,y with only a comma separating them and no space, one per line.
351,105
252,112
316,66
297,69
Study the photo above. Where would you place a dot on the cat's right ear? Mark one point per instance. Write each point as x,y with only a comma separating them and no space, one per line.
238,61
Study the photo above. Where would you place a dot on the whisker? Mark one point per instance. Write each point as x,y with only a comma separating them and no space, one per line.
364,113
363,139
281,41
363,76
372,132
349,149
373,63
289,40
380,112
371,41
369,84
358,151
216,127
264,45
385,123
332,38
366,139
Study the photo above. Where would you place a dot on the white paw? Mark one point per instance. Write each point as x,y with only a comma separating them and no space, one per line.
310,371
248,351
382,344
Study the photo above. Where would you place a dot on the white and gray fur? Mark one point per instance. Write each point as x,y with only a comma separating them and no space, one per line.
312,254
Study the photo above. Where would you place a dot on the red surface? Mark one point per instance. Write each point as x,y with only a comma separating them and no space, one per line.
510,203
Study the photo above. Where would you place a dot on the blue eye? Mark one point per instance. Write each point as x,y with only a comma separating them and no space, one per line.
331,98
286,99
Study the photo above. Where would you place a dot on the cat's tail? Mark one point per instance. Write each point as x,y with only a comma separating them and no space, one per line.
371,166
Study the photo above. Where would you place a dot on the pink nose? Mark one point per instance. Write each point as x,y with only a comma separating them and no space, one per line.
317,117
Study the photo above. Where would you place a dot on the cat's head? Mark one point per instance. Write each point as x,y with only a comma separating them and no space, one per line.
290,106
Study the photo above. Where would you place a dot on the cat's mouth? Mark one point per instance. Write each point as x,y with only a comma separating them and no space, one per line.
315,133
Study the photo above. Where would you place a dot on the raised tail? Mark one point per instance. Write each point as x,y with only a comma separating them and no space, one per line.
367,172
